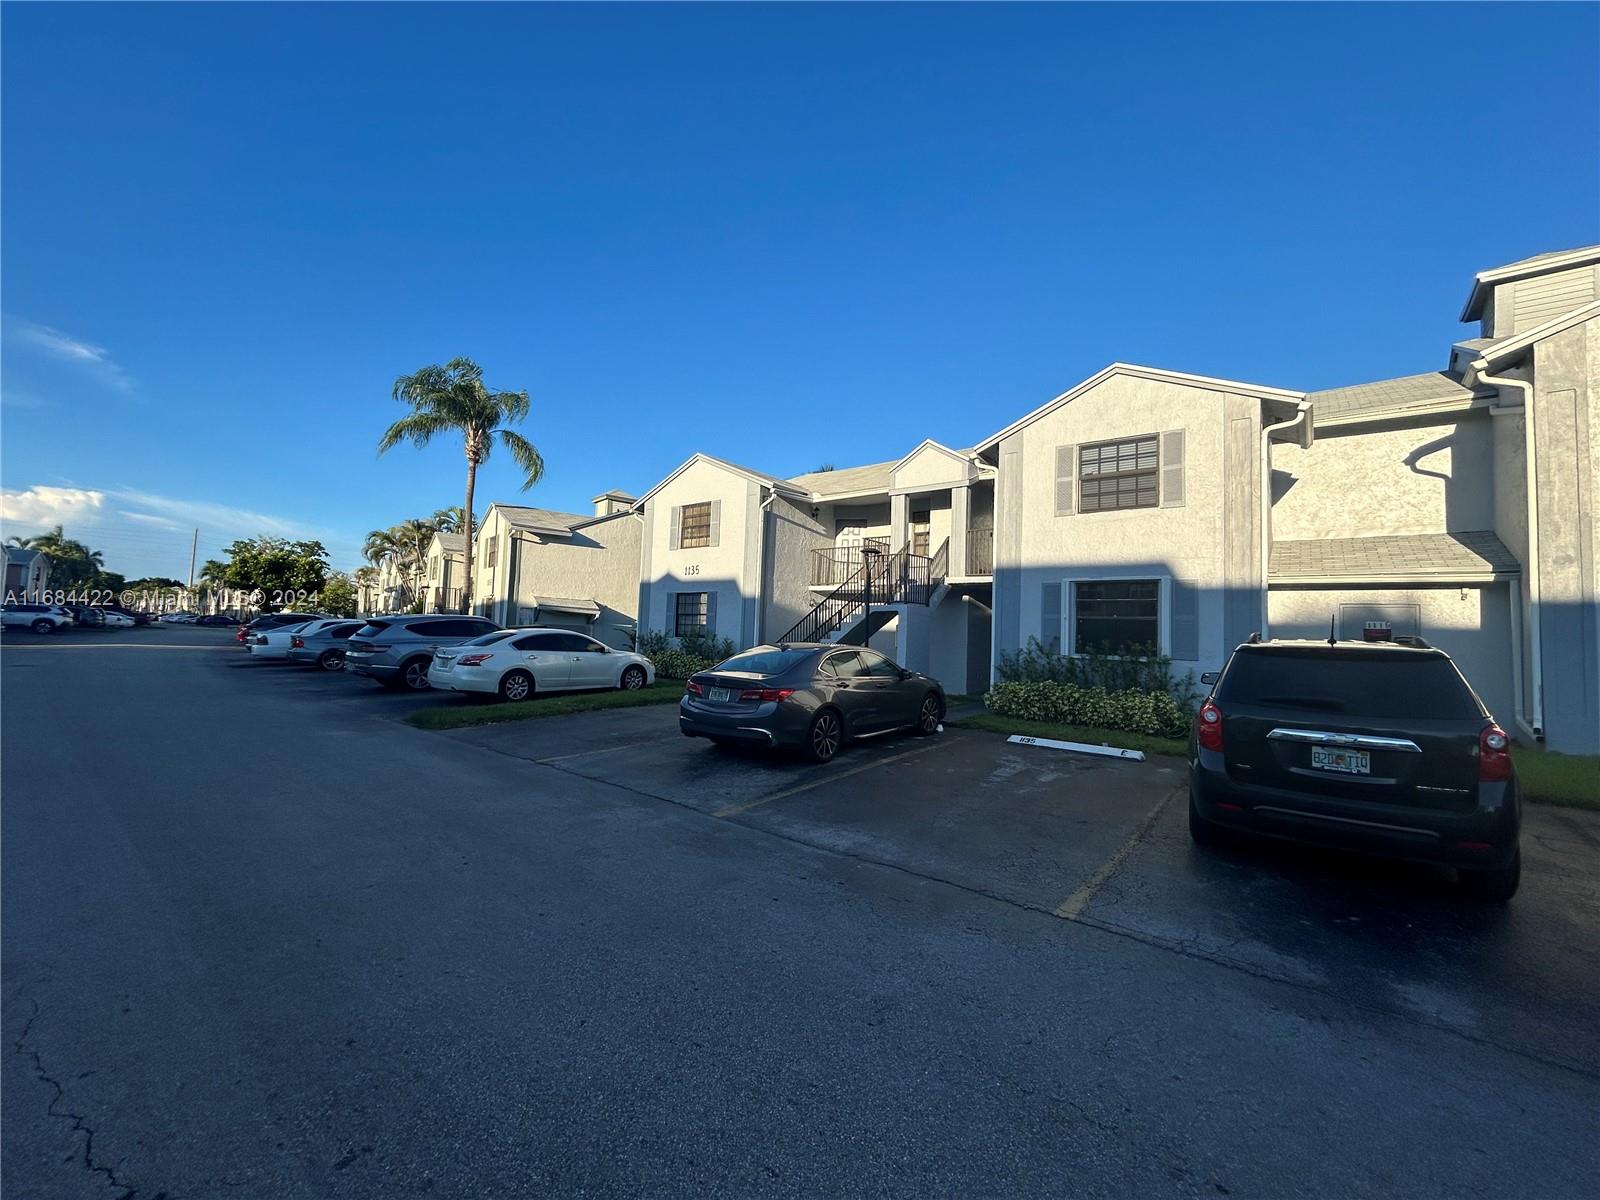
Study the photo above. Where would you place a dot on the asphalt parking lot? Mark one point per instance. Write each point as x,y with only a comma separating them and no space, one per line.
945,964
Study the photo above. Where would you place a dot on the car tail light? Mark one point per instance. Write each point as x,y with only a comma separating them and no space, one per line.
1494,755
472,660
693,689
1208,727
297,642
766,694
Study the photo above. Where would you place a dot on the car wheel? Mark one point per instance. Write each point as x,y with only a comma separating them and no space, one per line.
826,736
1203,832
516,685
929,716
331,660
414,675
633,679
1496,886
44,627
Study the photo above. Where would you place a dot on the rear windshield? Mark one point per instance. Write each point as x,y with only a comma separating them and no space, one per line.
1373,685
372,629
765,662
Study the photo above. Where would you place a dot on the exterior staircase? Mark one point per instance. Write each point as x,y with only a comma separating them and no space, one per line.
898,578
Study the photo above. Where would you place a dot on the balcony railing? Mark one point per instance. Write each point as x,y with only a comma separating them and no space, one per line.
837,564
980,552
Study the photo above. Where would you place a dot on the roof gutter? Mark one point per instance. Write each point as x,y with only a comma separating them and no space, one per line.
1530,709
1301,419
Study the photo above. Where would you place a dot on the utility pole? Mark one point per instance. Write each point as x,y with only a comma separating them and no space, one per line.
193,546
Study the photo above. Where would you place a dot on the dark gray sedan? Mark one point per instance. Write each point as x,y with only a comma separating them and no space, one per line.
325,647
808,697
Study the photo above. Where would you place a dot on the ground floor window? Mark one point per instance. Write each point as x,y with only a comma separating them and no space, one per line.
692,613
1116,616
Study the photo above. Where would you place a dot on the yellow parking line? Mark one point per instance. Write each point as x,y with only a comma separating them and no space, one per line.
1073,905
734,810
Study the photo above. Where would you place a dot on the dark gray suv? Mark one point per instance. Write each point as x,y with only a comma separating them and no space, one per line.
396,651
1373,746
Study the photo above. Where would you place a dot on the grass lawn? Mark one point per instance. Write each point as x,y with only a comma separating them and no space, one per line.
1075,733
1570,780
459,716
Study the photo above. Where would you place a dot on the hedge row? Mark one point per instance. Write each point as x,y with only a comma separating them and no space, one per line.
1134,711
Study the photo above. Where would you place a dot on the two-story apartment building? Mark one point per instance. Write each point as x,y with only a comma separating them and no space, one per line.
445,570
536,566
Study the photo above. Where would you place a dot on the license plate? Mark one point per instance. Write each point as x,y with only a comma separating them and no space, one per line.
721,695
1350,762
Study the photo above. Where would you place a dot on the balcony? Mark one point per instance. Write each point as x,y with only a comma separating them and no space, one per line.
980,552
836,564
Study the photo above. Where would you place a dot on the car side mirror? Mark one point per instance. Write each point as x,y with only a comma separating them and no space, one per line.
1210,677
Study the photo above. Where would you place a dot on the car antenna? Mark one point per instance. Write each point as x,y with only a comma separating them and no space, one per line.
1333,623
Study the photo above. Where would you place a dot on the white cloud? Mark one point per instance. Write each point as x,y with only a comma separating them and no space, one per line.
42,507
151,519
64,347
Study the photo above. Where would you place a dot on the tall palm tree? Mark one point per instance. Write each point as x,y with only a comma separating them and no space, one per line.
453,399
378,546
412,538
452,519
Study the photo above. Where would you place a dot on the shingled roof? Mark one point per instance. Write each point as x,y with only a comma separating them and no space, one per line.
874,477
1389,395
1394,556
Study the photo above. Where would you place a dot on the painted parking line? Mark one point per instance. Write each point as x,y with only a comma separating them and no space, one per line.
734,810
634,745
1072,907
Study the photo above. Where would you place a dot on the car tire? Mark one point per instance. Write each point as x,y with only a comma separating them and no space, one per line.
413,675
825,737
331,660
515,686
1203,832
44,626
1495,886
632,679
929,716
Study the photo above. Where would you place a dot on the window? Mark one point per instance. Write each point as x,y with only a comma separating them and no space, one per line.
920,528
765,662
878,666
694,528
571,643
1116,616
1341,679
494,552
692,612
845,665
1114,475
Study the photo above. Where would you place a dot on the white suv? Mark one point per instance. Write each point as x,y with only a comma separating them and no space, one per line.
41,618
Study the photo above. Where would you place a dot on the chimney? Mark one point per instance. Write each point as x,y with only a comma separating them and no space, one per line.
607,503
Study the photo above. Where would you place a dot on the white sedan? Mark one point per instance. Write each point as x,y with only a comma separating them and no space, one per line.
275,643
516,664
116,620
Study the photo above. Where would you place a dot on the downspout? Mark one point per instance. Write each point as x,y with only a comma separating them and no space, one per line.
761,567
1302,413
1531,718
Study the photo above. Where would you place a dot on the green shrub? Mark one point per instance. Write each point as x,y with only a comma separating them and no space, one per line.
1149,672
679,658
1131,709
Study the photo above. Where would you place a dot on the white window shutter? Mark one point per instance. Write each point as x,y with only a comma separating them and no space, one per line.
1172,482
1066,492
716,521
677,521
1050,615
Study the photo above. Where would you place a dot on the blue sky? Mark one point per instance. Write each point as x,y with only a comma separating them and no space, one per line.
782,235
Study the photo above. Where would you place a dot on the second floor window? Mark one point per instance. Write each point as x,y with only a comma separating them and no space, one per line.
494,553
1124,474
695,526
921,530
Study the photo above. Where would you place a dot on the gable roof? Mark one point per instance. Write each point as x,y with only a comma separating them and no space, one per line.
450,543
1280,396
1508,347
1478,553
1524,268
874,477
761,477
540,520
1391,396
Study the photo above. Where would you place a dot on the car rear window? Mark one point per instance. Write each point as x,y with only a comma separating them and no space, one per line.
1381,684
764,662
371,629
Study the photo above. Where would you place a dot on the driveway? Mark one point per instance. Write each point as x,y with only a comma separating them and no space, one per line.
261,939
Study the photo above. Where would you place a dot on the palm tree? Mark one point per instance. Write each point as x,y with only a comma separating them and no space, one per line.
412,537
453,399
452,519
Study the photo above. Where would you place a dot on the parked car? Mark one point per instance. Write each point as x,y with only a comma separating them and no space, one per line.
517,663
41,618
1374,746
324,646
274,643
138,618
179,618
112,619
397,651
218,619
808,696
85,614
268,621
